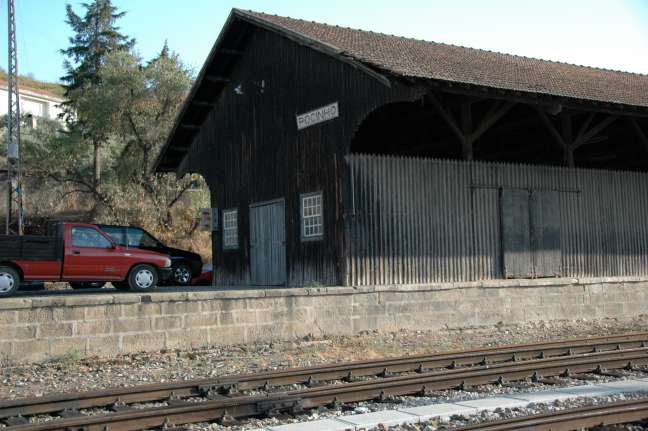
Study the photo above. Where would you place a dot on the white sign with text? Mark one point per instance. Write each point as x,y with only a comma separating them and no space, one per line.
319,115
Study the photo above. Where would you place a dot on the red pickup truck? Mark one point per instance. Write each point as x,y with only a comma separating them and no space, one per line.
78,252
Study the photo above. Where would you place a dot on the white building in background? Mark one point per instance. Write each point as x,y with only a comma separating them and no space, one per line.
35,102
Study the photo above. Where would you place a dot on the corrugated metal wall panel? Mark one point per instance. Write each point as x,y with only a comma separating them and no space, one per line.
421,221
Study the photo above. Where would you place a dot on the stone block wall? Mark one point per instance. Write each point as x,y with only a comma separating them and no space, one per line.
46,327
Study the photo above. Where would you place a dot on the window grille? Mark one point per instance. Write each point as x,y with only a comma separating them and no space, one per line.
312,218
230,229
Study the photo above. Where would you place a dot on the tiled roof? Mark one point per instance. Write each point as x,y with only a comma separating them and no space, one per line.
429,60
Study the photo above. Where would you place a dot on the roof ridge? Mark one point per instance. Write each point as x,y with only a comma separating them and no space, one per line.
518,56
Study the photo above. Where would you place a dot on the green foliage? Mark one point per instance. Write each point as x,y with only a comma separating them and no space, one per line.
124,108
136,103
95,36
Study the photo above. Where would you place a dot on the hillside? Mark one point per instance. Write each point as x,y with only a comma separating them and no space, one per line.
51,87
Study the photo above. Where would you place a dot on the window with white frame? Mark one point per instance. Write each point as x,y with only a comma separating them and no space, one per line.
230,229
312,218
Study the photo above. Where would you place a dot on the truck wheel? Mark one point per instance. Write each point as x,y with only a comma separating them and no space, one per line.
9,280
143,277
182,274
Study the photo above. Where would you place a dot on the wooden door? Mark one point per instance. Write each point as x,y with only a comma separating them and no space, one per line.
268,243
531,233
545,233
516,234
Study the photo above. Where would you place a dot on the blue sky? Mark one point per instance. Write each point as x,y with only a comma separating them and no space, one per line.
603,33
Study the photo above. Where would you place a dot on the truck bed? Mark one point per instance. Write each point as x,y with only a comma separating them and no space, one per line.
31,247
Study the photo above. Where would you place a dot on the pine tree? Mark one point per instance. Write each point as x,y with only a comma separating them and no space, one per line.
95,36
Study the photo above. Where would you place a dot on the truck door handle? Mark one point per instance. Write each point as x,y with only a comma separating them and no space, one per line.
76,252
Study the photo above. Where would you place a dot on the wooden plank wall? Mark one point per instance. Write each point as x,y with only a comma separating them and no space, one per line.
249,150
420,221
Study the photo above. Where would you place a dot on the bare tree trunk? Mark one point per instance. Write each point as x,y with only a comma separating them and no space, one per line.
97,164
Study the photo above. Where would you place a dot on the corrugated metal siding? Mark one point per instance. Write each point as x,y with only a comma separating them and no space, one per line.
418,221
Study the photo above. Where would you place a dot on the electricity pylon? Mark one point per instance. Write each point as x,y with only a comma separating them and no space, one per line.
15,218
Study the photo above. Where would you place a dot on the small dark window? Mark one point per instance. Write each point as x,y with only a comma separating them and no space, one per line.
140,238
230,229
88,238
312,219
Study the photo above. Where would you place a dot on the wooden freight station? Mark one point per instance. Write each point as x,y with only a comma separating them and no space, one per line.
344,157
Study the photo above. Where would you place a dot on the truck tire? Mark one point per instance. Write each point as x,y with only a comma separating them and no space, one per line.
181,275
143,277
9,280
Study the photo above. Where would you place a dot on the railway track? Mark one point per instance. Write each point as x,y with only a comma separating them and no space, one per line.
419,375
566,420
231,385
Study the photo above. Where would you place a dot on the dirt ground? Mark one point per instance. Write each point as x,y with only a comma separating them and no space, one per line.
78,373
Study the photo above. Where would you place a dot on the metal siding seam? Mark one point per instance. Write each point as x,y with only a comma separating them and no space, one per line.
443,225
464,271
631,224
417,228
631,227
383,222
642,198
389,191
634,196
416,219
457,255
404,217
405,222
433,209
364,267
377,250
398,225
426,219
641,217
370,221
353,223
415,188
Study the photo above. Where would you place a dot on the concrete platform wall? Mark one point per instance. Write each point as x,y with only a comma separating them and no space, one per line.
39,328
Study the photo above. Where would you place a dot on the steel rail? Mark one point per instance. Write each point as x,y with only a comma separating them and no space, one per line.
572,419
215,388
298,400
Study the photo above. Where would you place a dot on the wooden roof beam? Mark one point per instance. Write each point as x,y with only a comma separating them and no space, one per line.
494,114
464,129
552,129
585,136
640,133
548,102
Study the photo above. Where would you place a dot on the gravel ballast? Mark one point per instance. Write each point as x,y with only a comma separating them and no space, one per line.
74,373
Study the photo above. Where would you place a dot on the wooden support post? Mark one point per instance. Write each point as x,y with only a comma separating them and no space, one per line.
565,138
640,133
465,130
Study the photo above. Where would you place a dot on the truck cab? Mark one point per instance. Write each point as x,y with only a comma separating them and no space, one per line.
78,252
